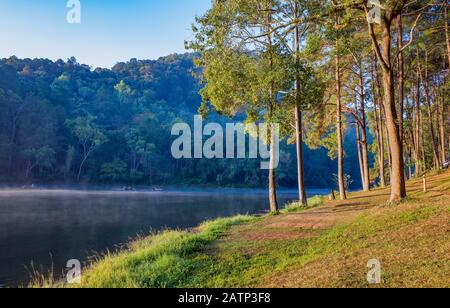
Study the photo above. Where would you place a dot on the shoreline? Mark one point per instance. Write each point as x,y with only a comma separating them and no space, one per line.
324,246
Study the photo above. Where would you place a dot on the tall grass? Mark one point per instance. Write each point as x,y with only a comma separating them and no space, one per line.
159,261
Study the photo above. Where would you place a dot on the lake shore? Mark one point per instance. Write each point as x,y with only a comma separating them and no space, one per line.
326,246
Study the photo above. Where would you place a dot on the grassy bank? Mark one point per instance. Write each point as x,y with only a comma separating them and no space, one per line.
325,246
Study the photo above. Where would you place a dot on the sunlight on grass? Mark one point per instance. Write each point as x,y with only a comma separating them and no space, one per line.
410,240
313,202
162,260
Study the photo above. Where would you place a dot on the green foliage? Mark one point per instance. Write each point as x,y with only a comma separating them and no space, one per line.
44,159
88,135
115,171
126,114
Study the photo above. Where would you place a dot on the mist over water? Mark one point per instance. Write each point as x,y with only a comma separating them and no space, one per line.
50,227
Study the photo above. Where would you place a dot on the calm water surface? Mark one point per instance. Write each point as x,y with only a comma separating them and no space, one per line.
51,227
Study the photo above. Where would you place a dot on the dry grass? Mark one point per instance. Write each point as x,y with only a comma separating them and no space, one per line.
330,246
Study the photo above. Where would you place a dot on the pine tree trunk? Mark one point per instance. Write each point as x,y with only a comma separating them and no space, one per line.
379,123
398,184
442,128
300,164
413,134
447,36
422,145
380,140
272,174
358,145
401,77
386,138
418,127
364,145
410,162
383,51
430,114
396,149
298,124
341,180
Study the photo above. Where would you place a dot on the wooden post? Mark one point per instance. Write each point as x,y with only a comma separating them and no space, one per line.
425,189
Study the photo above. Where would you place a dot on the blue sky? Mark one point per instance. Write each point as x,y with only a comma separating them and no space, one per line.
110,30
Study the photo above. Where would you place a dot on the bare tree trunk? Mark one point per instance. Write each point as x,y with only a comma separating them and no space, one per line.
341,180
80,169
298,124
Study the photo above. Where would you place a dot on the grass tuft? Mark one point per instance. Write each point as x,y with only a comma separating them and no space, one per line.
313,202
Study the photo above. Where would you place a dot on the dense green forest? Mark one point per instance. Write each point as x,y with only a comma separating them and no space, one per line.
64,122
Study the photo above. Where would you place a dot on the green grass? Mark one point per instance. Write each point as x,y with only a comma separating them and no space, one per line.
168,259
163,260
409,239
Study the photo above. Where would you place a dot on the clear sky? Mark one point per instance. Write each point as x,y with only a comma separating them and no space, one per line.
110,31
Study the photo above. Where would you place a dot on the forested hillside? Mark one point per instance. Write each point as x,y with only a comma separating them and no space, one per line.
63,122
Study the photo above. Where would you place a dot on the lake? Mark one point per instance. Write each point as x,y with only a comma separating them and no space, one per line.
50,227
